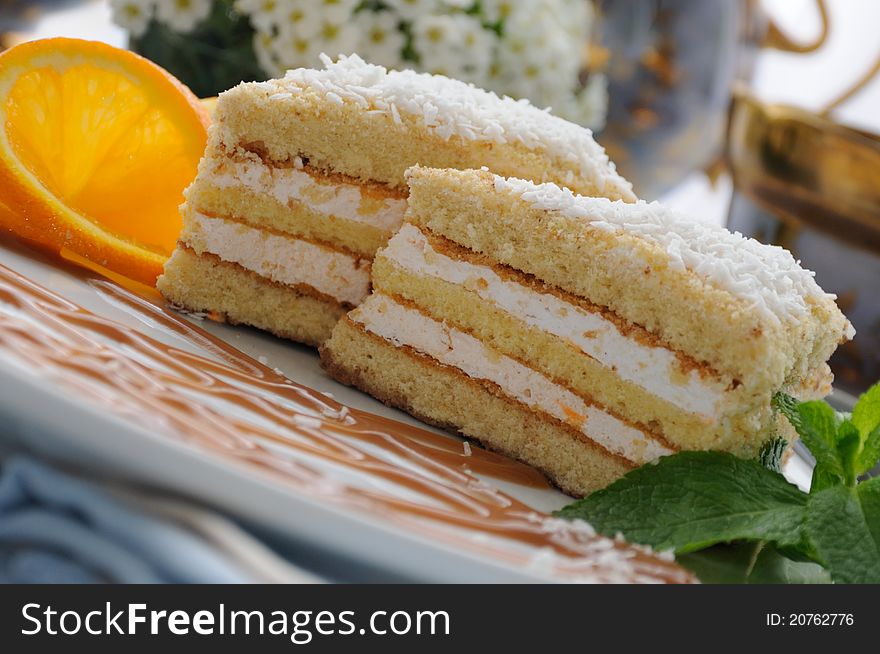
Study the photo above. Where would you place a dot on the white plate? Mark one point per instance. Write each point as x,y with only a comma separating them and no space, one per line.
489,530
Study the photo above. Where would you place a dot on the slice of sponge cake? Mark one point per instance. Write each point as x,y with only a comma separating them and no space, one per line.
303,180
582,335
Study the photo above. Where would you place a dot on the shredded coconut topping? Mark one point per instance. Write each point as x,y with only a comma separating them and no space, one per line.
767,277
448,108
195,315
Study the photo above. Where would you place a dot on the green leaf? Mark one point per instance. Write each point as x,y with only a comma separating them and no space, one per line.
817,427
750,563
787,406
691,500
849,446
866,418
816,424
771,454
869,496
866,413
843,526
870,454
843,448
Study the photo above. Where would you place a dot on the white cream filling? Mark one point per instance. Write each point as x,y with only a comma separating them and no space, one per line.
402,325
339,199
283,259
656,369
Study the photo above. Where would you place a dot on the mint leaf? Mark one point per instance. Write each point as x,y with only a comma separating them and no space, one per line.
844,446
866,413
817,426
750,563
849,446
869,495
771,454
866,418
843,527
691,500
870,454
787,406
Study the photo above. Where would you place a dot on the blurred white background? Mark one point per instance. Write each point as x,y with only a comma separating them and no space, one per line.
809,81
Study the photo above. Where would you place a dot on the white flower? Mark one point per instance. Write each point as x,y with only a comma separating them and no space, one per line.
297,51
520,79
264,50
133,15
294,51
463,5
183,15
537,59
588,106
336,39
436,41
580,18
562,60
539,28
477,47
455,45
381,40
335,11
412,9
495,10
260,12
592,103
433,33
539,54
298,18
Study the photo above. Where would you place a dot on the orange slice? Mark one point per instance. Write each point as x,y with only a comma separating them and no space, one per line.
97,145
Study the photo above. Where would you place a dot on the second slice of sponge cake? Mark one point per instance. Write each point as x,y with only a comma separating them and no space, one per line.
581,335
303,180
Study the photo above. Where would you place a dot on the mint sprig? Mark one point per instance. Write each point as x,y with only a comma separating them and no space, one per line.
757,562
772,453
691,501
843,527
866,418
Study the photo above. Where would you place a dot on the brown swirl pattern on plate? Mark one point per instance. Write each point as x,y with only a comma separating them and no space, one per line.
234,406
